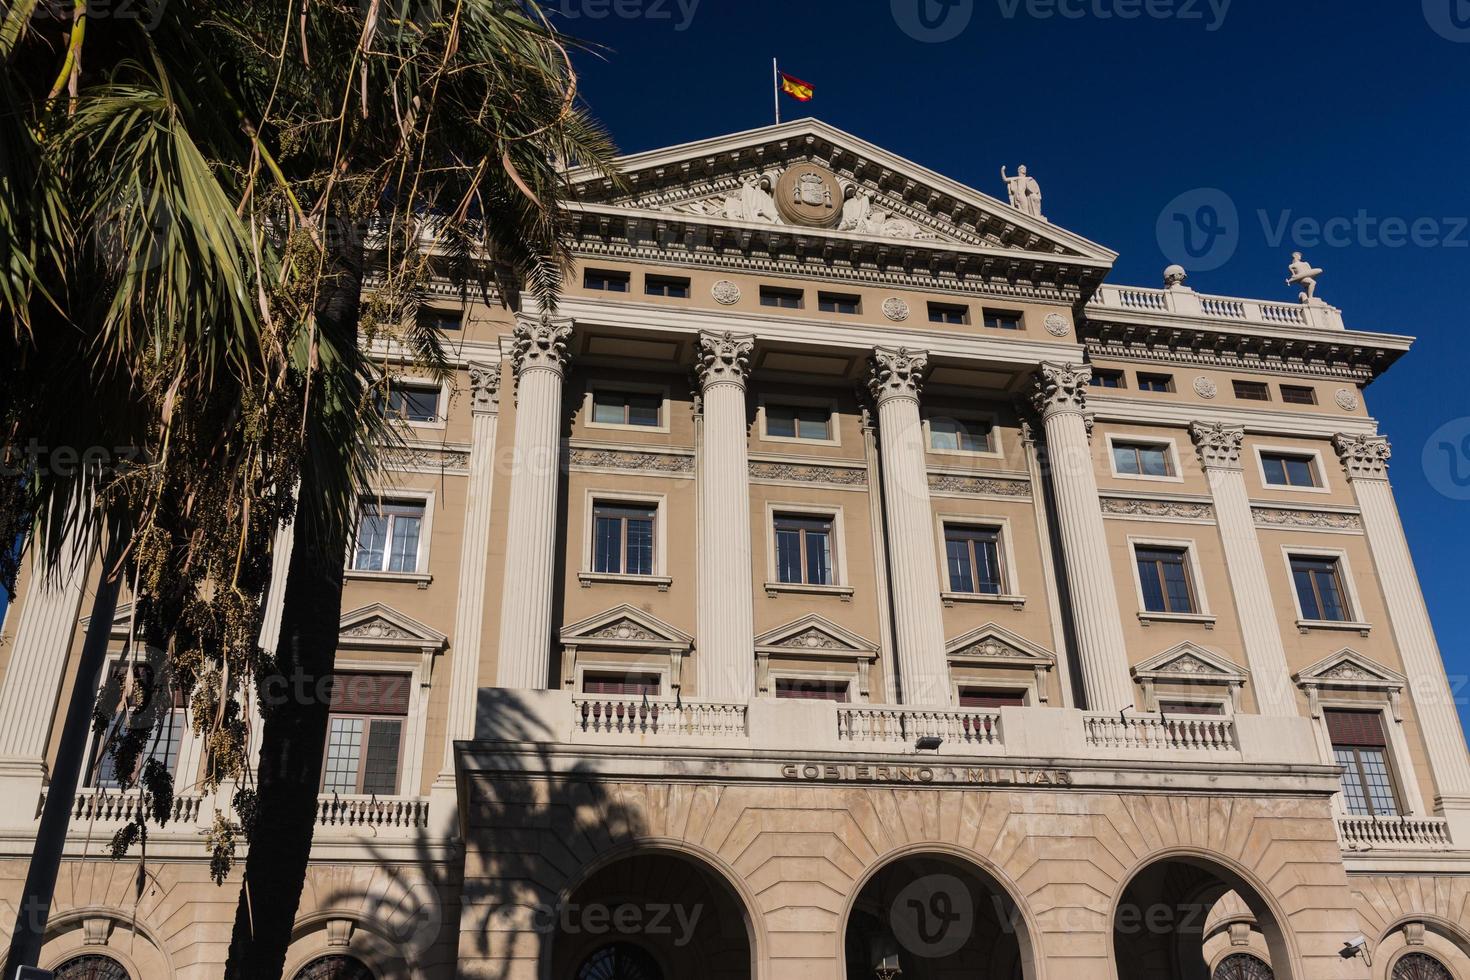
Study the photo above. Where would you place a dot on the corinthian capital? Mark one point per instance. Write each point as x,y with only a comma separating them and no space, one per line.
724,358
484,388
897,372
1364,457
541,343
1060,388
1218,444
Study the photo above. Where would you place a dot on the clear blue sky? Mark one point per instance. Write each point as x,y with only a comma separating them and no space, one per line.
1313,109
1316,109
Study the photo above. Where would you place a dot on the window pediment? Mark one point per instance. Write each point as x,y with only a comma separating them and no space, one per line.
625,626
997,645
1349,670
1191,663
815,636
381,627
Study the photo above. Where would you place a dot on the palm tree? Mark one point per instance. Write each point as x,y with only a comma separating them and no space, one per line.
244,166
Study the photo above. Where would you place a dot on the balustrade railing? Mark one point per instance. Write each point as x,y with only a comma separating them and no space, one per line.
1232,308
1178,734
617,716
1401,833
883,724
376,812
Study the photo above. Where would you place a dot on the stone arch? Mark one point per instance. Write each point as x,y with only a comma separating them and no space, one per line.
109,932
556,953
1448,942
347,932
1169,894
1031,959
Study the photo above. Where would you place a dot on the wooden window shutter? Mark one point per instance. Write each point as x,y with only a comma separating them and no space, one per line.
1355,728
370,694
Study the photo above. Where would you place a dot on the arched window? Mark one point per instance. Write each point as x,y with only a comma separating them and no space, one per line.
92,966
1243,966
619,961
335,967
1420,966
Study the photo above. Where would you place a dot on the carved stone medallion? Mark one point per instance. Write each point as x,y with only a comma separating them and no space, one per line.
725,292
809,195
895,309
1206,388
1347,399
1056,325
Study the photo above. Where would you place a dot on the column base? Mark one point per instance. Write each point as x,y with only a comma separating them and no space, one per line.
21,784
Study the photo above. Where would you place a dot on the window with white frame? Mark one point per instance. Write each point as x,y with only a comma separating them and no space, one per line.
1165,579
389,536
367,720
961,435
1360,747
804,422
973,558
1143,458
1320,591
1295,470
406,401
623,537
152,705
804,549
642,409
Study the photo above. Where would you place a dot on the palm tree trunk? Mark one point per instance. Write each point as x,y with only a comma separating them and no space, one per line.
294,701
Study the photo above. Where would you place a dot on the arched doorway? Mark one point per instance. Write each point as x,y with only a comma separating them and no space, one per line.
92,966
1160,924
652,916
335,967
935,917
1420,966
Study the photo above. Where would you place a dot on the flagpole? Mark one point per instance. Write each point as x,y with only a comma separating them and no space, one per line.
776,88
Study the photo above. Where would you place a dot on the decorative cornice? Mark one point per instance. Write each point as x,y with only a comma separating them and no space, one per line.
414,458
1310,520
623,459
896,372
724,358
1218,444
541,344
1364,457
841,476
978,486
484,388
1061,388
1181,510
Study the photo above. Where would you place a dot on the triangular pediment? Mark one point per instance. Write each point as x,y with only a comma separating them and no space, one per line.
992,643
380,625
1349,668
627,626
816,635
120,618
759,185
1191,662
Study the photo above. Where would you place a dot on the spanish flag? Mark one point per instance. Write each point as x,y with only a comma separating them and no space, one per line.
796,88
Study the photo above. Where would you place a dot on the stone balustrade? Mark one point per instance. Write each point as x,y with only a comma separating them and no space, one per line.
1152,733
1224,308
881,725
623,716
372,812
113,807
1394,833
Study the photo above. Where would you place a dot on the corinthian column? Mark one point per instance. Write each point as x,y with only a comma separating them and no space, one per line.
1060,396
540,361
1366,461
1219,453
918,617
726,618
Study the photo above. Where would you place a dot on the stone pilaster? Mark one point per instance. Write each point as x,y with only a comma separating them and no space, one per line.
726,615
1365,459
1060,396
540,362
1219,452
923,669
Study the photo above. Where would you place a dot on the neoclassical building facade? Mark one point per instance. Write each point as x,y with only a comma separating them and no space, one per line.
845,580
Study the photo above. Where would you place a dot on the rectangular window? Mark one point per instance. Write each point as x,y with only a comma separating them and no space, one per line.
1319,588
1103,378
626,407
1287,470
441,320
977,697
1142,459
1002,320
410,403
622,538
365,728
960,435
1155,382
972,555
607,282
162,741
804,550
948,313
1164,576
1298,395
839,303
804,689
621,685
1359,746
799,422
388,536
1252,391
669,286
1190,708
786,299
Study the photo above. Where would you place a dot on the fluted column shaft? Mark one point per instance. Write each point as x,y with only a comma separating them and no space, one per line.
1060,397
530,540
469,612
918,615
1219,452
726,631
1366,459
